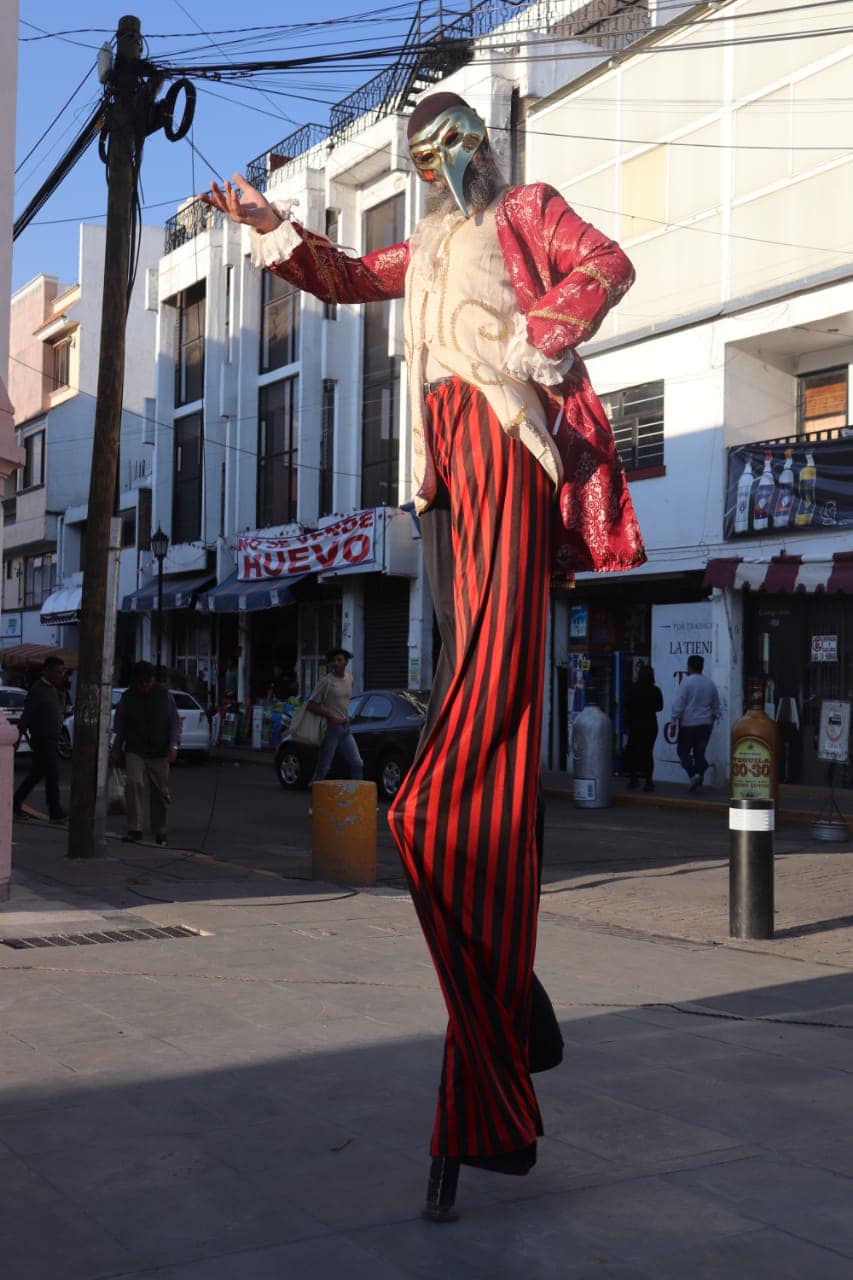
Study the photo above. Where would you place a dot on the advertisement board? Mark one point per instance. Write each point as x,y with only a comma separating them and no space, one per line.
833,742
678,630
804,487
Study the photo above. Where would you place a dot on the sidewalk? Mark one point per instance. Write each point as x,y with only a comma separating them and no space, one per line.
254,1102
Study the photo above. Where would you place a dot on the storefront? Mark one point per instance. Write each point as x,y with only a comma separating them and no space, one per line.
798,648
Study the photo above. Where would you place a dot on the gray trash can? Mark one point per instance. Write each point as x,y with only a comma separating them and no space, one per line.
592,751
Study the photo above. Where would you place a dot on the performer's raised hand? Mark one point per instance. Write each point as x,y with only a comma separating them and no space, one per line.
241,202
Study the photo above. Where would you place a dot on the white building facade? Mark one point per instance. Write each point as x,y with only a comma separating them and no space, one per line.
718,158
277,413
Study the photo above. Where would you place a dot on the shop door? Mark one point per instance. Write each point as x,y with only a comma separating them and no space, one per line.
386,632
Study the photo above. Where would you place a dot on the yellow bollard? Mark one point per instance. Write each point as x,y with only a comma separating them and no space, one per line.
344,832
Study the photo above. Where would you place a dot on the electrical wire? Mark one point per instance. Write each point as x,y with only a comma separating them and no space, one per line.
57,117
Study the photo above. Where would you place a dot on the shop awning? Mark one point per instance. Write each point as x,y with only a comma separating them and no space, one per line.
62,607
785,574
33,655
233,596
178,593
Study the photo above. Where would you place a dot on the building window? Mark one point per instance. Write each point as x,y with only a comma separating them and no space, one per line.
333,217
39,579
327,447
380,443
189,345
319,631
278,433
822,401
187,487
128,528
636,415
60,372
32,473
279,323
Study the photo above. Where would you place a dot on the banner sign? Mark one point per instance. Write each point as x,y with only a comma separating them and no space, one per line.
805,487
678,630
344,545
824,648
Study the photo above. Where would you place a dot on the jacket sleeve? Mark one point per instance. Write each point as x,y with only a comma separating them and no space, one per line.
311,262
679,701
593,274
25,722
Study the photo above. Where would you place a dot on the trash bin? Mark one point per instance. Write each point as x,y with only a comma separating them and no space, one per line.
592,751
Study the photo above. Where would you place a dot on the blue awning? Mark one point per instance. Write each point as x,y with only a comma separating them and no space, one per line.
233,596
178,593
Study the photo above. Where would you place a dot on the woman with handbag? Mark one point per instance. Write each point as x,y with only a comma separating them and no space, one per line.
331,700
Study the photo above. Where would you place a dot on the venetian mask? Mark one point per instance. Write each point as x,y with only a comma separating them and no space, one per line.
444,147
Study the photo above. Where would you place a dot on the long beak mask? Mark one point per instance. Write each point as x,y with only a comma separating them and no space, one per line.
443,149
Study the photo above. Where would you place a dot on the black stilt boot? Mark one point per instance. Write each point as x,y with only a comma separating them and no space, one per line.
441,1190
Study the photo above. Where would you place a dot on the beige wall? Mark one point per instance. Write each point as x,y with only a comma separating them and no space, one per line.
705,222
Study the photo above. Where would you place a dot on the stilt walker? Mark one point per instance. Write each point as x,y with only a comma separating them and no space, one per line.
518,485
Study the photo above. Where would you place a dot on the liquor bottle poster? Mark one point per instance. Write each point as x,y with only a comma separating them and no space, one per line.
678,630
800,486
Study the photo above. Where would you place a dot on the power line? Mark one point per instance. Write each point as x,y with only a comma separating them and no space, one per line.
61,110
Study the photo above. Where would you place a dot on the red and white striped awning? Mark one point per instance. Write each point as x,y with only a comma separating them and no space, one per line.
783,573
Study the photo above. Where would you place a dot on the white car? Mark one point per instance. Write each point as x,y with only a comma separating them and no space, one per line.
12,705
195,726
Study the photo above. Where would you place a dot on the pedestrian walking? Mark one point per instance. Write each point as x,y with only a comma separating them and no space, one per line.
147,734
42,717
696,707
515,476
642,705
331,699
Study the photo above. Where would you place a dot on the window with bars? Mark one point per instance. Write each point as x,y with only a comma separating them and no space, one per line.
187,486
39,579
279,323
278,438
822,401
636,415
327,448
189,345
60,371
380,441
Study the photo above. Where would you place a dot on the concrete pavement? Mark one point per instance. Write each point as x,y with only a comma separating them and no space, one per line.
256,1101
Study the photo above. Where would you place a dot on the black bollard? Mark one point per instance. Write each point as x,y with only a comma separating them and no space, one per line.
751,826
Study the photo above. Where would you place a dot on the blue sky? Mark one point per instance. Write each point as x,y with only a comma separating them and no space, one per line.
233,123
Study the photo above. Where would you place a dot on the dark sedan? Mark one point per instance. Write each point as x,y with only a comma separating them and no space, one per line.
386,725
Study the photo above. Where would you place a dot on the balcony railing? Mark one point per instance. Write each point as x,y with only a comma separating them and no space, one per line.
290,155
189,222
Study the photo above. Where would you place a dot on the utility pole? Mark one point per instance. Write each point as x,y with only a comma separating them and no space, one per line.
131,113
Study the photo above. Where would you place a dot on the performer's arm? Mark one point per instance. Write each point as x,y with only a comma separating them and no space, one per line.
307,260
595,275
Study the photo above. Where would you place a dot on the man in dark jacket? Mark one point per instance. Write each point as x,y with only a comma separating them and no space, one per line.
42,718
148,733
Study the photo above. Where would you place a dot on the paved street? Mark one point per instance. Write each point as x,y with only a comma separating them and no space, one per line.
256,1101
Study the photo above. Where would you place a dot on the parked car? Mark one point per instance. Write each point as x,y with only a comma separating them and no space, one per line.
386,725
12,705
195,725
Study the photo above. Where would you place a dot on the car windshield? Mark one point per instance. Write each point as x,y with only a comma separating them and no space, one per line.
12,697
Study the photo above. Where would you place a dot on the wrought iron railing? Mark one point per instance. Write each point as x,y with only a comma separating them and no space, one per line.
288,155
190,221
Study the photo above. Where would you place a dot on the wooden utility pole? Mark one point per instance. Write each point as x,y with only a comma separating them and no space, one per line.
124,142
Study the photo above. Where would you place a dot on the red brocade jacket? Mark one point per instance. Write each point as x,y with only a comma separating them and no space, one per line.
566,276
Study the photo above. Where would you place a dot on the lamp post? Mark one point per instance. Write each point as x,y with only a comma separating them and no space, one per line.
160,546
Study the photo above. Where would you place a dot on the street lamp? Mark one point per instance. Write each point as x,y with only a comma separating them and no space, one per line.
160,547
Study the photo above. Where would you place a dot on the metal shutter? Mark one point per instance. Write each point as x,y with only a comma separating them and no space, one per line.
386,632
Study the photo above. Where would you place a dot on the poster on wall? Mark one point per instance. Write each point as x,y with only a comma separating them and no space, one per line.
803,487
679,630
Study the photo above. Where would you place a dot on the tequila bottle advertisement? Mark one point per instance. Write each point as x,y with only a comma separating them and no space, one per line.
798,486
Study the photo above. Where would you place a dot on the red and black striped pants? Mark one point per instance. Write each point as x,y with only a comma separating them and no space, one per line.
464,819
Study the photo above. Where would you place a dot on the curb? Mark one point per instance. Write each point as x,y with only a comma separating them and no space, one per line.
792,817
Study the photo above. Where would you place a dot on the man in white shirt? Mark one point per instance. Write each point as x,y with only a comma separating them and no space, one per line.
696,707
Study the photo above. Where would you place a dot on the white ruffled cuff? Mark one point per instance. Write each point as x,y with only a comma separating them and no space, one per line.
276,246
527,363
